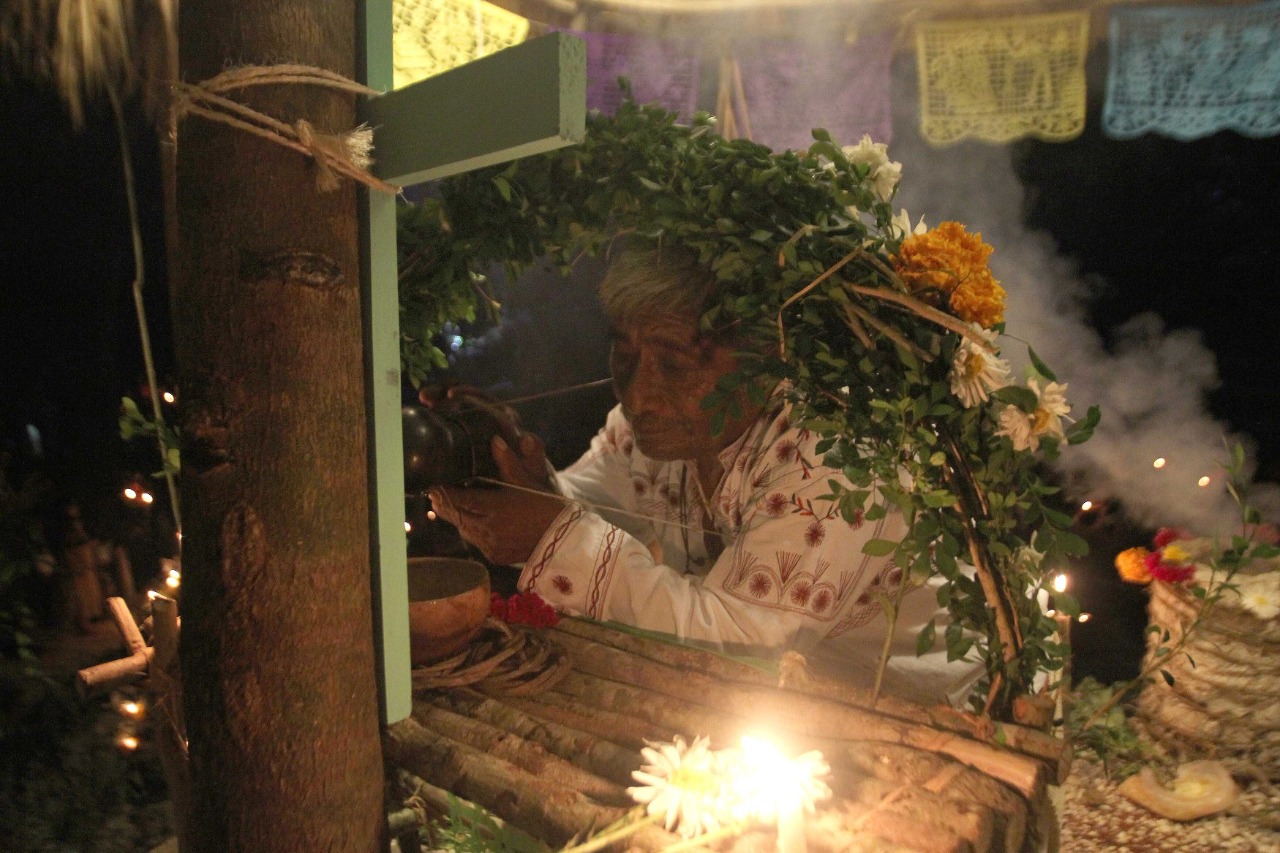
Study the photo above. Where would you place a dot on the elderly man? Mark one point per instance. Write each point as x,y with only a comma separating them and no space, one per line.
721,538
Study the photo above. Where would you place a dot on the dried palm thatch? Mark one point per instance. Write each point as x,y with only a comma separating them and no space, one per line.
88,48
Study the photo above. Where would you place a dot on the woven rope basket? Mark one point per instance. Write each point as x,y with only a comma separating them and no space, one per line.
1225,705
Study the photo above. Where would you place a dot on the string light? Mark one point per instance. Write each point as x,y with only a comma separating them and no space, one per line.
130,492
147,497
168,397
129,742
131,708
173,580
1159,463
1084,617
1203,481
1060,583
408,527
431,515
1086,506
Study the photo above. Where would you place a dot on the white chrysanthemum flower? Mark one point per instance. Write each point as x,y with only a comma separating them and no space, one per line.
1016,424
1260,594
1025,430
900,225
883,173
683,783
977,370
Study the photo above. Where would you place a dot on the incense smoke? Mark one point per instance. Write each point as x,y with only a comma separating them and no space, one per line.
1150,383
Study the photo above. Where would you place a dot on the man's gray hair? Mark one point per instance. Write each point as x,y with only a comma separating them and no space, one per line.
645,282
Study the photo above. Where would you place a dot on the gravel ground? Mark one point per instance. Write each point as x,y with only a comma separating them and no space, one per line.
1096,818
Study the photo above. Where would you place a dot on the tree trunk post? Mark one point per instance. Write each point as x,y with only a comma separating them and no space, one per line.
277,637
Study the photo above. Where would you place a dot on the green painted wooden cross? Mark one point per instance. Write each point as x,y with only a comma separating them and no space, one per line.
524,100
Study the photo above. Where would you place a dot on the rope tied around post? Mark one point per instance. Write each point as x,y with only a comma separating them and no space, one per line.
347,154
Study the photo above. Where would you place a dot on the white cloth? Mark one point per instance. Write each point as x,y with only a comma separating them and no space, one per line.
784,571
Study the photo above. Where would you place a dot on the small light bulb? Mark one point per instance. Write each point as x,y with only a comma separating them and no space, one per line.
152,595
172,582
431,515
1203,481
174,573
1159,463
407,527
1060,583
147,497
1084,617
129,742
131,708
1086,506
168,396
130,493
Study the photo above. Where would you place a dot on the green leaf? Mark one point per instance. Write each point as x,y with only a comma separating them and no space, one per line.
1082,430
1040,366
925,639
879,547
1016,395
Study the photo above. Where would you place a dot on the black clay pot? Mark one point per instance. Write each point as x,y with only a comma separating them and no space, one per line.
448,443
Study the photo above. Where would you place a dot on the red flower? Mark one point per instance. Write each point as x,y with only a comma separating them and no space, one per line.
1168,572
1165,535
524,608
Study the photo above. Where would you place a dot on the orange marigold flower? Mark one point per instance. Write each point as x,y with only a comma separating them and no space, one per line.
947,267
1132,565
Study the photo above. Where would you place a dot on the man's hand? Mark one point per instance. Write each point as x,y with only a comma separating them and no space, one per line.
506,524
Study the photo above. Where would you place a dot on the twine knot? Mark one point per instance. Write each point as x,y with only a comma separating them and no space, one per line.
348,153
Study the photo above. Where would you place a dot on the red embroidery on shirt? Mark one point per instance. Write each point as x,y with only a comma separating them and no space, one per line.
562,584
800,591
761,585
604,569
776,504
786,450
553,544
814,534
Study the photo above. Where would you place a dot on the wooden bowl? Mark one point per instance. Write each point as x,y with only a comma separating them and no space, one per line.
448,601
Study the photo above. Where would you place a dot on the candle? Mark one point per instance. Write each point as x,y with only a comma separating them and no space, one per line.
791,826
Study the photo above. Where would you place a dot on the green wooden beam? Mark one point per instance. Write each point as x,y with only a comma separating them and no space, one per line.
381,311
524,100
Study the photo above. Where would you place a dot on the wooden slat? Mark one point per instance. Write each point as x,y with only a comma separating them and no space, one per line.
520,101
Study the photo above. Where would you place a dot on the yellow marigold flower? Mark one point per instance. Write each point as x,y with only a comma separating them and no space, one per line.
1132,565
947,267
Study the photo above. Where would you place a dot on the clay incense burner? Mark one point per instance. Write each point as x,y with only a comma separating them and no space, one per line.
448,435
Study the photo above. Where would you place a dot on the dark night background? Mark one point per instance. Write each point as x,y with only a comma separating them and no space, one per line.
1184,229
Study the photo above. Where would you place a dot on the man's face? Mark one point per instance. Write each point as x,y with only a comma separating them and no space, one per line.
661,371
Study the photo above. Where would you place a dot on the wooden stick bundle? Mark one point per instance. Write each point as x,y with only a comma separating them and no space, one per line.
798,713
1053,752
